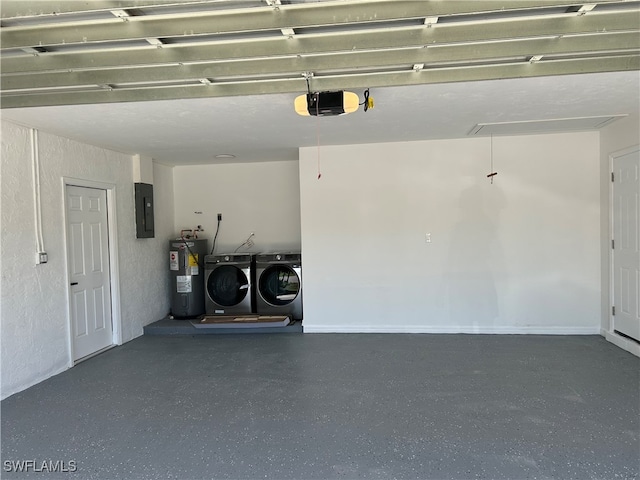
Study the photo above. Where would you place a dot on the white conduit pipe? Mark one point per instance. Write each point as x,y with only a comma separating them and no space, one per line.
35,166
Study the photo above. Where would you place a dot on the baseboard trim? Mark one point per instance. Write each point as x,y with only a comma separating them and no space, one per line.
506,330
622,342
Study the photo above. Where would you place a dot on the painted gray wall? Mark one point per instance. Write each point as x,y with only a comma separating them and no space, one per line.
34,309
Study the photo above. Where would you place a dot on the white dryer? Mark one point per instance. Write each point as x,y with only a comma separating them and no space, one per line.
228,284
279,284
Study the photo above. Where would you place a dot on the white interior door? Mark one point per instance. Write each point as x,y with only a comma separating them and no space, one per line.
626,252
89,277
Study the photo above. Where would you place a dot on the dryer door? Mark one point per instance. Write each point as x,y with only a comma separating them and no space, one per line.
279,285
227,285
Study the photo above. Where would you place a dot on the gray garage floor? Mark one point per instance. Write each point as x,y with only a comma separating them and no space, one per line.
312,406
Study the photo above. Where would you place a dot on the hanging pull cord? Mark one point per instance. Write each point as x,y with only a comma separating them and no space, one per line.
492,174
318,133
317,120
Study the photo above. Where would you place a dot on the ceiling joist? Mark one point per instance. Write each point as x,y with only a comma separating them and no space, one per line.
312,44
452,53
330,82
217,22
66,52
19,9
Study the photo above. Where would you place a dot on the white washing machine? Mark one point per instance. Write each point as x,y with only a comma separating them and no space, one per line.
228,284
279,284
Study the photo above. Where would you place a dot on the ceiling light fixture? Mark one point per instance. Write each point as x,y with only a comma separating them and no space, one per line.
225,155
330,103
321,104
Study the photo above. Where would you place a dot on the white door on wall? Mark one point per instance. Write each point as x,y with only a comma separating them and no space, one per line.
626,252
88,263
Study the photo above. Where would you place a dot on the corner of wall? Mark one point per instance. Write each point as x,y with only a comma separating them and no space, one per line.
142,169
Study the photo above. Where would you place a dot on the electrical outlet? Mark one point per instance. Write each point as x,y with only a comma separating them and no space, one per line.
427,238
219,217
41,257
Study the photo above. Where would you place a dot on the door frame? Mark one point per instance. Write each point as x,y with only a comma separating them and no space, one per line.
114,271
609,333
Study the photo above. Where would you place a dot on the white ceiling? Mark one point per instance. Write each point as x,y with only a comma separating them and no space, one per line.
265,127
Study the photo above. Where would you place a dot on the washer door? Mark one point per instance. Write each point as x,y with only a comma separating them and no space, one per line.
279,285
227,285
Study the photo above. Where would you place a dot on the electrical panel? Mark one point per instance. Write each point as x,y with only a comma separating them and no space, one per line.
144,210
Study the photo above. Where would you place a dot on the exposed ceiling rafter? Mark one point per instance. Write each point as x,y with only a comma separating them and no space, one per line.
340,42
329,82
190,48
459,53
260,19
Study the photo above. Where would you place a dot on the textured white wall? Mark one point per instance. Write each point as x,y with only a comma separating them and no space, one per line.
263,198
145,283
164,231
521,255
34,324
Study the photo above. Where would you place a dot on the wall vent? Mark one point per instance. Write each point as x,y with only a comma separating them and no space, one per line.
554,125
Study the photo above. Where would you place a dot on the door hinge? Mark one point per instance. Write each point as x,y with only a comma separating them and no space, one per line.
613,244
613,310
612,176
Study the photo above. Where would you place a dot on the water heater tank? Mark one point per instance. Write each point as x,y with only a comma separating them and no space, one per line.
186,267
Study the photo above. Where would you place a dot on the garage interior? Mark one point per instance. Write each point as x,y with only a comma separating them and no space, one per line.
469,240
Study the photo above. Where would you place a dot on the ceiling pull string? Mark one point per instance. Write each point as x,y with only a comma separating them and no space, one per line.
492,174
317,102
491,155
318,134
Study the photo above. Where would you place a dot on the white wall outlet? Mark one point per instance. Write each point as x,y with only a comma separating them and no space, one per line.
41,257
427,238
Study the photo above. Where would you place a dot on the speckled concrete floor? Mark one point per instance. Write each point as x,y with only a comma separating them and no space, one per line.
311,406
